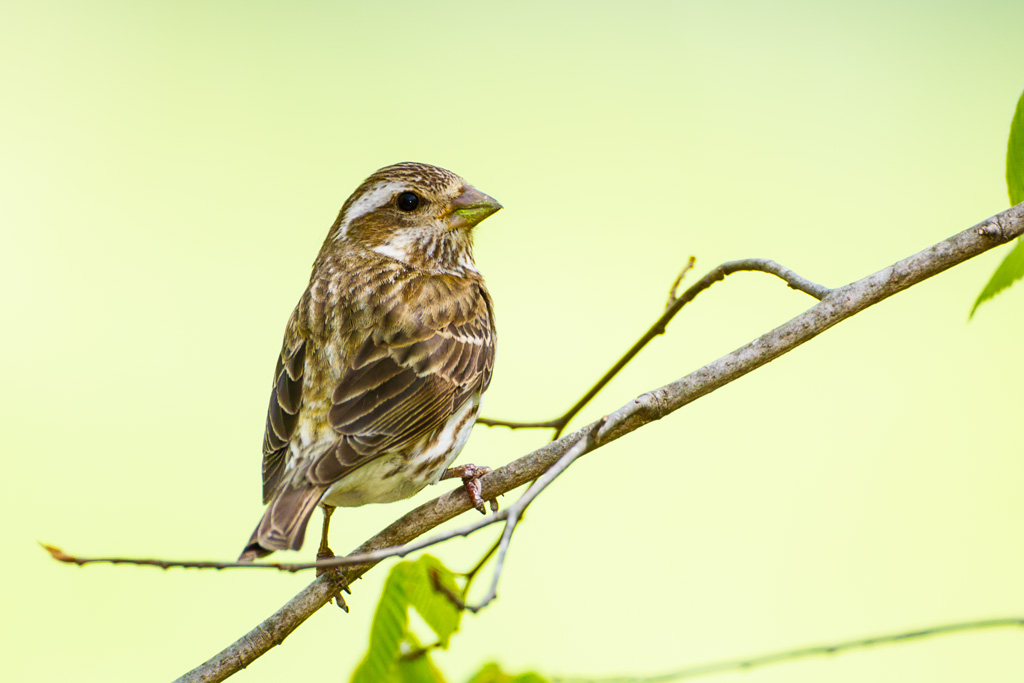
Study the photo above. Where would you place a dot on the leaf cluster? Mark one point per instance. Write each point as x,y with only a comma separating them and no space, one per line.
395,653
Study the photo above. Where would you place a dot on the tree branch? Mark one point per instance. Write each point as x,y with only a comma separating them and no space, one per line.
801,653
674,305
834,307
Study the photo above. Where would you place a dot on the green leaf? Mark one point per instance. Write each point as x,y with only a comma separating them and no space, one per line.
409,584
1015,156
390,622
434,606
492,673
1009,271
416,669
1012,267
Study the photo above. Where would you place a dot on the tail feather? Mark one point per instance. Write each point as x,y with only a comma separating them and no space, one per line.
283,526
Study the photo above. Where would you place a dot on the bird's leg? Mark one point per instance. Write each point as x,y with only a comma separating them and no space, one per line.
470,475
325,552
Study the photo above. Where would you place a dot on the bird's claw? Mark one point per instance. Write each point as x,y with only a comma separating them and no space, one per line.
326,553
470,475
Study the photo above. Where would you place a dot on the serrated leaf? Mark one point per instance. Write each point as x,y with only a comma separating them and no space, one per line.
1012,267
492,673
409,584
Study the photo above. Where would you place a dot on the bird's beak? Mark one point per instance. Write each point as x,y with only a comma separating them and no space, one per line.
470,207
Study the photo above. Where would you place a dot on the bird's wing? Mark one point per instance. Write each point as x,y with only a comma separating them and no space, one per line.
285,402
396,394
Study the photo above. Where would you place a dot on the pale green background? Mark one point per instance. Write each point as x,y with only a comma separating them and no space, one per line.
170,169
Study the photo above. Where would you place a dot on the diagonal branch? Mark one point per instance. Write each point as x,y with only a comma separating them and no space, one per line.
674,305
834,307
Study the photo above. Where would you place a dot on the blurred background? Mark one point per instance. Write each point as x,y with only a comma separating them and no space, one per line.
169,171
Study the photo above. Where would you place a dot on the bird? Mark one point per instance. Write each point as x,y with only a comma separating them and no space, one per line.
385,358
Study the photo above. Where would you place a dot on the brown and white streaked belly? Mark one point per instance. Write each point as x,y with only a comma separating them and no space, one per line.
398,476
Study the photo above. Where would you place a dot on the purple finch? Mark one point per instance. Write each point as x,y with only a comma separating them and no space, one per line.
384,359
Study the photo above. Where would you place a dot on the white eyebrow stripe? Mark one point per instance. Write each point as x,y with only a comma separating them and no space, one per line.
370,201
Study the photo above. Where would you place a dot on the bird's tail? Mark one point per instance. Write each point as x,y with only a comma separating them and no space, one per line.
283,526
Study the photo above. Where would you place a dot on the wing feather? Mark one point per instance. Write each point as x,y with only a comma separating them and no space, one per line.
282,415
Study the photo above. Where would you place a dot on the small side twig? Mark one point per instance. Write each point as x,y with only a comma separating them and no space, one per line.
471,574
690,263
672,307
352,560
492,422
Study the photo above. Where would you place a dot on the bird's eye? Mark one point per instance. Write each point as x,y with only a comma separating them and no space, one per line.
408,201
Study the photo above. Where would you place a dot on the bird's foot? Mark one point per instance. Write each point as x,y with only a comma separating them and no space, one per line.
325,553
470,475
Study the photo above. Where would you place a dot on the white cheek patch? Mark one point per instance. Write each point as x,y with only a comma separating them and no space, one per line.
369,202
392,251
398,247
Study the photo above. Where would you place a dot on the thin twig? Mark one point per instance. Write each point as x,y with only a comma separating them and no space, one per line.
801,653
352,560
499,563
492,422
454,598
471,574
675,304
690,263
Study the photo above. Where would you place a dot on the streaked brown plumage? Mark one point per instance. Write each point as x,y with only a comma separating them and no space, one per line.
385,357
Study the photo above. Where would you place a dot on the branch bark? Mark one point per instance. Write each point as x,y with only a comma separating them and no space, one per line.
836,306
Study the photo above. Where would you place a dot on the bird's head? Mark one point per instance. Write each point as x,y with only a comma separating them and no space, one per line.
419,214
